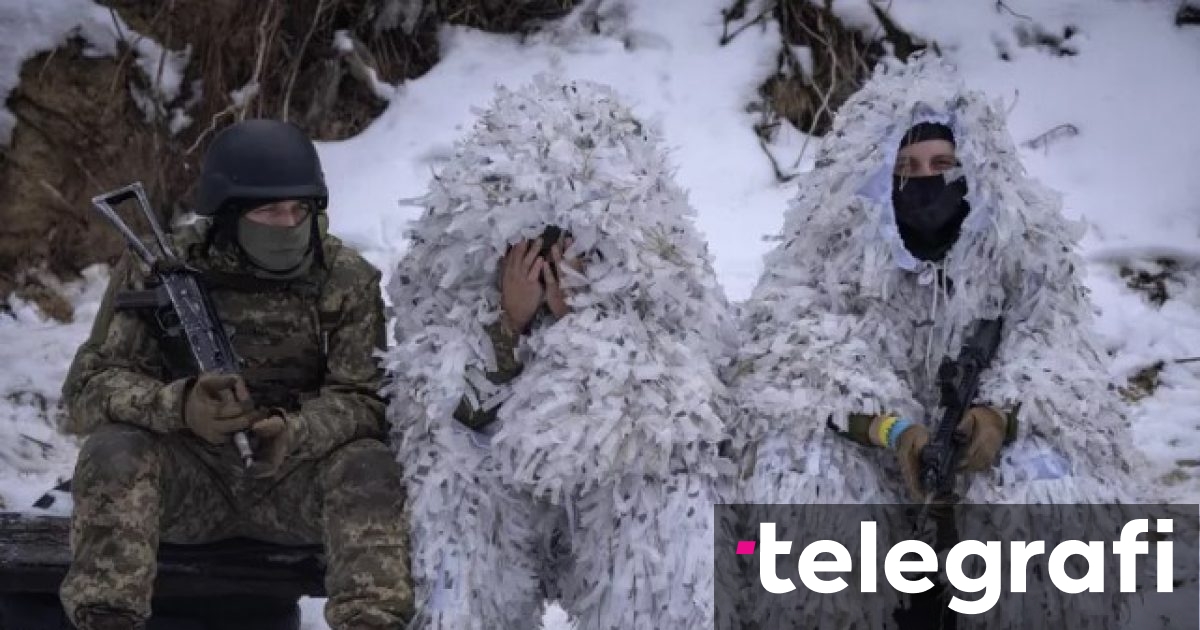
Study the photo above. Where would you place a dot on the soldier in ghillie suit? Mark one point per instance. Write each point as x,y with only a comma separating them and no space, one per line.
565,387
305,316
917,224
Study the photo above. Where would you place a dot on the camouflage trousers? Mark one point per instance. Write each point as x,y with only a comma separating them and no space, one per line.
133,488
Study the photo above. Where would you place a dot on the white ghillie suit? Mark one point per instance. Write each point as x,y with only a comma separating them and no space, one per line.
612,427
839,324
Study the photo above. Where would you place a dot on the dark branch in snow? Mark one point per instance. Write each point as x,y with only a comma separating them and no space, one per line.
1001,6
1066,130
780,176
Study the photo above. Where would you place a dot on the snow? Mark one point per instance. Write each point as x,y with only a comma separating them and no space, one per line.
240,97
1132,89
668,69
1130,172
804,57
36,355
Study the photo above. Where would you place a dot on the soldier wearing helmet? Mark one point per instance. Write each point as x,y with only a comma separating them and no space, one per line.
305,316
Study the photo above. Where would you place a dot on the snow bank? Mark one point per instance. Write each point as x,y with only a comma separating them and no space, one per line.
37,353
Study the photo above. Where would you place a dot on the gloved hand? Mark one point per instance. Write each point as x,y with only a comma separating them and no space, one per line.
217,406
908,453
984,429
277,436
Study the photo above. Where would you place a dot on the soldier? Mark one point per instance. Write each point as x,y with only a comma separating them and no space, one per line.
918,223
305,315
556,375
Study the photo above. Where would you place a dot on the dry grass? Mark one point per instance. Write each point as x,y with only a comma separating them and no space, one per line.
1143,383
1153,283
72,140
500,16
807,94
285,47
79,133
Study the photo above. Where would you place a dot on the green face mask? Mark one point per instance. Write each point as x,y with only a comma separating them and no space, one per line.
282,252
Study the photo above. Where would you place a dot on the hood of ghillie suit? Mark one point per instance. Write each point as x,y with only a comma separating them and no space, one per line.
846,320
843,209
628,382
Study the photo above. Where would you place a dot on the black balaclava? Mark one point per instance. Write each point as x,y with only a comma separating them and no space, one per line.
929,210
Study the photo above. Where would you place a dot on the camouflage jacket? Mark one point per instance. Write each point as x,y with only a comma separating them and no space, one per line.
508,367
307,346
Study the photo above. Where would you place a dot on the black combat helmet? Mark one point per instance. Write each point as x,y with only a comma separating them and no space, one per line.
254,162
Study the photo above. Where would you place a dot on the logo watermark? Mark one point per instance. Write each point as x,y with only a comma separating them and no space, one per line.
1033,565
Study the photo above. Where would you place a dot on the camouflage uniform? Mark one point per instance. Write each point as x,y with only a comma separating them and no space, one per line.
307,347
507,368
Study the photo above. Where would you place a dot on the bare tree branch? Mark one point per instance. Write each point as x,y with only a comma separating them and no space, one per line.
287,94
1000,5
212,125
1066,130
265,38
812,128
779,174
727,37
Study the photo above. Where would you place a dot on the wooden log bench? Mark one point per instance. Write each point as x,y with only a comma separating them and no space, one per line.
229,585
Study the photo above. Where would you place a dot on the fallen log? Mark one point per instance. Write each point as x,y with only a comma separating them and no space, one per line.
210,584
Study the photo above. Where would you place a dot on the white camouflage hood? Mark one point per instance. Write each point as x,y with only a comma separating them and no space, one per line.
626,381
841,289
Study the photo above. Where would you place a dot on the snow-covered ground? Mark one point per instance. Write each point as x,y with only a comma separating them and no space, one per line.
1126,80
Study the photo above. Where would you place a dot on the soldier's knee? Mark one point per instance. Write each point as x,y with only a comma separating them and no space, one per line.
118,453
363,467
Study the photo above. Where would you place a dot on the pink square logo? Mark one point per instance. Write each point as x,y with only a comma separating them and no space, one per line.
745,547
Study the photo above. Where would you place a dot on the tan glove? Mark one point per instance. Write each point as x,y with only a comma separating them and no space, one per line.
217,406
908,453
276,439
984,429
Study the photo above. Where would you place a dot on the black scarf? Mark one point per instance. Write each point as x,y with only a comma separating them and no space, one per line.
929,212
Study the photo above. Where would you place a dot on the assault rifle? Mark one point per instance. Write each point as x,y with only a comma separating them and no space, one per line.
179,287
958,381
